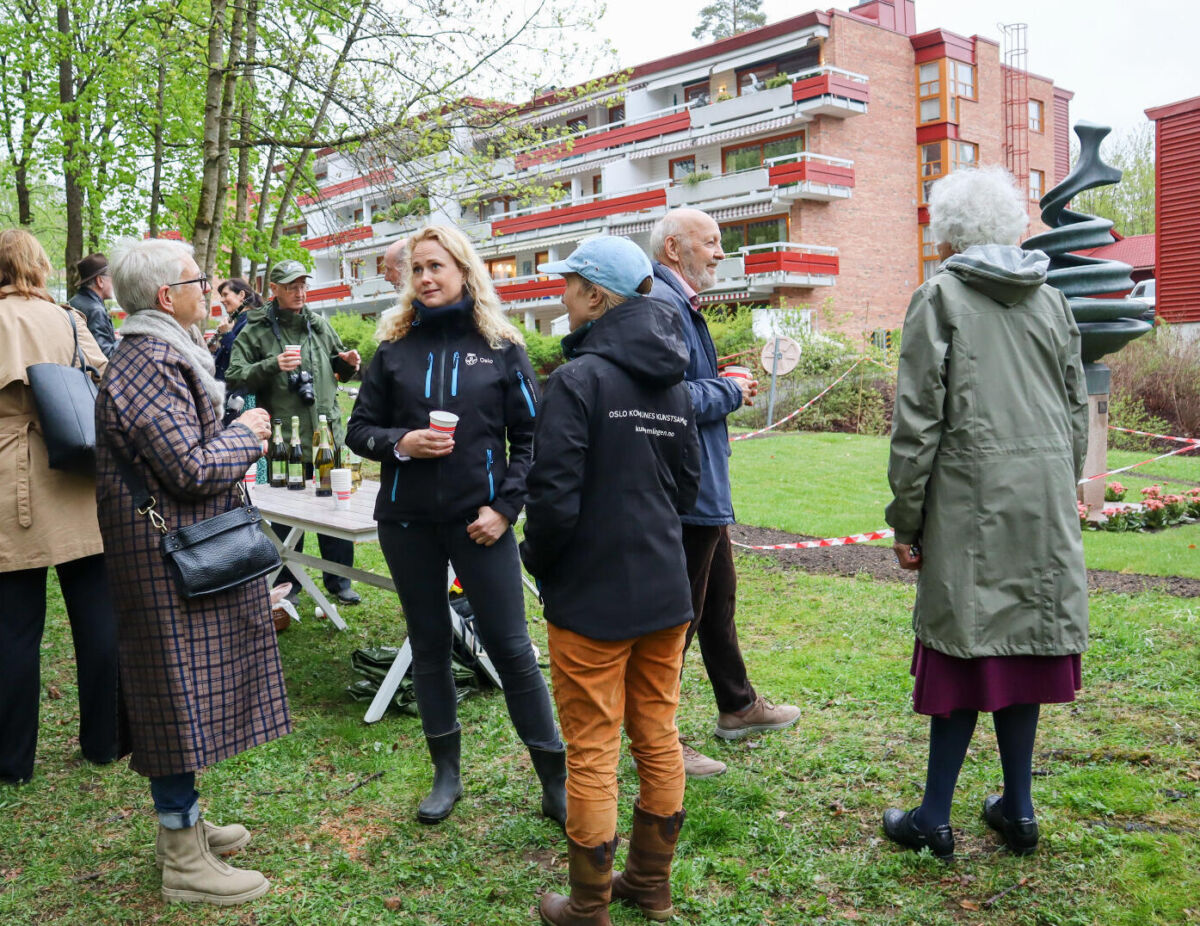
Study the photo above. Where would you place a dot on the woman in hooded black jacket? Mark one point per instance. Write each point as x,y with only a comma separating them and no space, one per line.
453,497
618,460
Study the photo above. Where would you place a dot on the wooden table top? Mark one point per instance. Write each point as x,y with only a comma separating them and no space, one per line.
305,509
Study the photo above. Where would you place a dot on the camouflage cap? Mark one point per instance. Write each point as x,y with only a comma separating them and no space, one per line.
288,271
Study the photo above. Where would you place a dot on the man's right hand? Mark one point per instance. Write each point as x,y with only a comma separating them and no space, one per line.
749,389
424,444
288,361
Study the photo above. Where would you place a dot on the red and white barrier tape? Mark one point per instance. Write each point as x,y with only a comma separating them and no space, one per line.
786,418
1178,440
827,542
1123,469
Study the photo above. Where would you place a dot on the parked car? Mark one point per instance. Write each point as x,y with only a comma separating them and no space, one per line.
1144,292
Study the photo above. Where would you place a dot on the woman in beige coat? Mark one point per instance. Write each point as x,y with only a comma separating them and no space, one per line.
47,518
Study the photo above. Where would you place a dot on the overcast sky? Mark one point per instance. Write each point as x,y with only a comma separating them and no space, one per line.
1121,58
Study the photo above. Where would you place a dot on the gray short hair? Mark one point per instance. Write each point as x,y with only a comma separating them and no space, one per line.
140,266
977,206
669,226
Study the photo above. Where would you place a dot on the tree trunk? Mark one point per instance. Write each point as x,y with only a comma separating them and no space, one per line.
241,212
212,119
156,178
228,91
73,193
24,206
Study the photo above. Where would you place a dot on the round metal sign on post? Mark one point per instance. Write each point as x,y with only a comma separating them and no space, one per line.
780,355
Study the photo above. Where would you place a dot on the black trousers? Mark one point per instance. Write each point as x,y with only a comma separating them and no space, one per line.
714,601
334,549
84,584
417,555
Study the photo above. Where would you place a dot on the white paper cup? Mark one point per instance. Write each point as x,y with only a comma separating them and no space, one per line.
443,422
251,476
292,349
736,372
341,481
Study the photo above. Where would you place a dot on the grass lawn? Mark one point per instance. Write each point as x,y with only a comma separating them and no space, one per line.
829,485
789,836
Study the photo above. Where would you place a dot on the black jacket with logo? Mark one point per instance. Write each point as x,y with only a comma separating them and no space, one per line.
618,461
445,364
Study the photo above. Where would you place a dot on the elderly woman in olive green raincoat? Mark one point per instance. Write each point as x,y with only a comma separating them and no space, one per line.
988,439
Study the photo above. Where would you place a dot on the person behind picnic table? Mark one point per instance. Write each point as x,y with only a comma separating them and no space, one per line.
49,519
988,439
617,461
238,298
200,678
453,498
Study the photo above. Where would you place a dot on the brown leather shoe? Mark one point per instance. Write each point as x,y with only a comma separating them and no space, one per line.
591,888
698,765
646,880
760,717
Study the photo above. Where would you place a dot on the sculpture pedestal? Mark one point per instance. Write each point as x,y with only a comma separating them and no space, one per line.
1099,382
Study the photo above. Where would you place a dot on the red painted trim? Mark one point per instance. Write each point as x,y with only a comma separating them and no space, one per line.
634,202
664,125
790,262
1155,113
830,85
939,43
922,215
347,186
341,291
937,131
361,233
815,171
531,289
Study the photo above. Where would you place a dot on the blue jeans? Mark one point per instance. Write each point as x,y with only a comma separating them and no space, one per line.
176,800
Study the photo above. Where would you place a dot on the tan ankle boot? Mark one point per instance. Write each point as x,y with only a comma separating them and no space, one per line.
646,880
222,840
192,874
591,883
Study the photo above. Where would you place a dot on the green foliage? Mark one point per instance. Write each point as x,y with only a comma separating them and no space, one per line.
545,351
723,18
732,329
779,80
696,177
1130,203
1155,380
357,333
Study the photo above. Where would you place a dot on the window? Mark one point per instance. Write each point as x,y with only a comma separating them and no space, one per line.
697,93
491,208
744,157
736,235
529,267
616,113
597,184
356,268
962,79
502,268
939,86
680,168
1036,116
380,266
1037,185
358,215
942,157
753,79
299,228
929,91
578,124
930,262
963,154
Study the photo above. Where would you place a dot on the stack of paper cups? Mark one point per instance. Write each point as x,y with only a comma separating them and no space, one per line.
251,476
341,482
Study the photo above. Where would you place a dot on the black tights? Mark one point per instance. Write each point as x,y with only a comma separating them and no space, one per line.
1016,729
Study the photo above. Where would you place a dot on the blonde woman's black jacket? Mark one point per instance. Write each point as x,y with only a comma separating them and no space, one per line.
618,461
445,364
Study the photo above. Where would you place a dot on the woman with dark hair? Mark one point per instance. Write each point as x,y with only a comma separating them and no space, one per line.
238,297
988,439
48,520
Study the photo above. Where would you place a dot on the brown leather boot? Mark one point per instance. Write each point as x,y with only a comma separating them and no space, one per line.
591,881
646,880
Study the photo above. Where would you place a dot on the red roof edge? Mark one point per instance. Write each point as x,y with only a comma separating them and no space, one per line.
1173,109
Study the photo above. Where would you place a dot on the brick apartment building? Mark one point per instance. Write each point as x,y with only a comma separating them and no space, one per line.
812,141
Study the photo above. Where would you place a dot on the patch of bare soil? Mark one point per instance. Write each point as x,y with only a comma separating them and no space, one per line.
880,563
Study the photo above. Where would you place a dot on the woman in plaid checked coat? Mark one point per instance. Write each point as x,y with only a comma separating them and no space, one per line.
200,678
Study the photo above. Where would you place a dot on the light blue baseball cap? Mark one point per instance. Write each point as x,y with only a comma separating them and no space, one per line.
615,263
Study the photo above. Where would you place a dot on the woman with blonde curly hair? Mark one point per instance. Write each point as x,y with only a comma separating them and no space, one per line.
452,496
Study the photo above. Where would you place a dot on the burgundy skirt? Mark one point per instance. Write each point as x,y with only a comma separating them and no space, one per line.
989,683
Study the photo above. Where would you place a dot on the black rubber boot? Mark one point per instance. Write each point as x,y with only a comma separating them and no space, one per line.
551,768
445,751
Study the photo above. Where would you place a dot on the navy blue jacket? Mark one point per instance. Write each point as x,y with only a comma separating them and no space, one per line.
221,357
98,321
713,399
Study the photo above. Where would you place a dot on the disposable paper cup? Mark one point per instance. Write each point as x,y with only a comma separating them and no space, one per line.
251,476
292,349
341,482
443,422
736,372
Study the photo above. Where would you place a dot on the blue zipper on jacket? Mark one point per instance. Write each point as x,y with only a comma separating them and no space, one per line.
429,376
491,478
454,376
528,395
395,482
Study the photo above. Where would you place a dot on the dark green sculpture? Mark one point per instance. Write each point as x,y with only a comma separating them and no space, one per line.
1105,325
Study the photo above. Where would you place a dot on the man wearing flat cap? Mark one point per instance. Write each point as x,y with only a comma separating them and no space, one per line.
260,364
95,285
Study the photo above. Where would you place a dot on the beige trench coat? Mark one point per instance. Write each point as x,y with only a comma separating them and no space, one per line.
47,517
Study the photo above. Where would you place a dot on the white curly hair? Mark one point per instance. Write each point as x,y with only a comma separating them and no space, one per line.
977,206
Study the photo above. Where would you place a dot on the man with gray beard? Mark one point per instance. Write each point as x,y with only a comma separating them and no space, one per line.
686,245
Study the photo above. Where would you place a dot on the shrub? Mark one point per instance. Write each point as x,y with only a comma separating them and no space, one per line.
1156,380
545,351
357,333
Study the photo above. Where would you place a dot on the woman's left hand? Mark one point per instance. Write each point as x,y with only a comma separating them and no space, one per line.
488,527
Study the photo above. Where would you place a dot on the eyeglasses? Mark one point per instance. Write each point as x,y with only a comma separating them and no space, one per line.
205,286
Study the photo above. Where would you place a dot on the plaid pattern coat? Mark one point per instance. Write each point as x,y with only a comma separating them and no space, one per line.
201,679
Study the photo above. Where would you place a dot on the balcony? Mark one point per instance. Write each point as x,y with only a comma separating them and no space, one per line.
320,243
829,91
368,288
334,190
816,177
530,292
330,293
757,270
652,125
715,115
588,209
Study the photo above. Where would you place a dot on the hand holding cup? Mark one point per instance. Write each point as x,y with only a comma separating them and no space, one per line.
290,358
257,420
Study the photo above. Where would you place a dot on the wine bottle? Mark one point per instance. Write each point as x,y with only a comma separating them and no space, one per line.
323,463
353,462
295,460
277,460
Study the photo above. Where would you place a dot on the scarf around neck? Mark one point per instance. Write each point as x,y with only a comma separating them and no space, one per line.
155,324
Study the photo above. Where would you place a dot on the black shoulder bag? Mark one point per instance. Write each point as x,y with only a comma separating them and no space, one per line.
65,398
213,555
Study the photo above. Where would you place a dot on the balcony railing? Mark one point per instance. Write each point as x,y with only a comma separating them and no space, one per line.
584,209
530,288
621,132
790,258
812,176
331,291
831,91
347,186
360,233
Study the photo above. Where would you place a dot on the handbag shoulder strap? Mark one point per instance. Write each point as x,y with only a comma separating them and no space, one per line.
83,364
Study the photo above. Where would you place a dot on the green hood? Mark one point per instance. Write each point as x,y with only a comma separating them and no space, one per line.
1000,271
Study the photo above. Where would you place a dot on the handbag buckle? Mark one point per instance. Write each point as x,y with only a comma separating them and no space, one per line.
154,516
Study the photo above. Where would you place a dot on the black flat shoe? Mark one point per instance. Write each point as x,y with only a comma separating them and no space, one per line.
347,596
1021,836
900,828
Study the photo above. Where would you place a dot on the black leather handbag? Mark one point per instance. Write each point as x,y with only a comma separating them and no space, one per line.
213,555
65,398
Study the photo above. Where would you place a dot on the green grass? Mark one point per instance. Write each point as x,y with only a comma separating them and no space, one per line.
828,485
789,836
